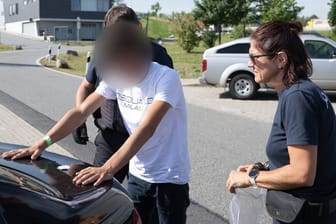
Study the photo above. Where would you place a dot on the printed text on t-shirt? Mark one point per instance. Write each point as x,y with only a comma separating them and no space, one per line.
134,103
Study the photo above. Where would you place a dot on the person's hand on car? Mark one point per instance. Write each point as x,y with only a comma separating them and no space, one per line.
80,135
32,152
94,175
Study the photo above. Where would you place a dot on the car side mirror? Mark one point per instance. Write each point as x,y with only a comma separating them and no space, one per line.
333,56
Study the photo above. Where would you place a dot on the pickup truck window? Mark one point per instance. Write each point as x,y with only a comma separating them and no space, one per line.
235,49
319,49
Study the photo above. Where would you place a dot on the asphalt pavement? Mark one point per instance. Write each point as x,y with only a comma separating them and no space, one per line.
219,139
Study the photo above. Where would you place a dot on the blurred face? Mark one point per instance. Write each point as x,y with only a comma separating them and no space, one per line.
126,71
265,66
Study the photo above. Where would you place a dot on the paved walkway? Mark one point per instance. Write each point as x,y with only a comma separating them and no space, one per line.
16,131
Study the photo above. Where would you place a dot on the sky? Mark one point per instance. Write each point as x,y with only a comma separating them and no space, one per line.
318,7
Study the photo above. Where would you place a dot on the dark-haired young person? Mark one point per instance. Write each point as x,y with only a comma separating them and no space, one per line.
112,132
152,105
302,144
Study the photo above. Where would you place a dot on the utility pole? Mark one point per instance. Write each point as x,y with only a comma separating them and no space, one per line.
78,27
147,22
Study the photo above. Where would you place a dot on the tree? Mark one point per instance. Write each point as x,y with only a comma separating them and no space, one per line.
221,12
332,15
270,10
187,31
155,9
209,38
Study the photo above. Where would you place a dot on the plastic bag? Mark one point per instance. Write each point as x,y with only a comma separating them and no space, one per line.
247,206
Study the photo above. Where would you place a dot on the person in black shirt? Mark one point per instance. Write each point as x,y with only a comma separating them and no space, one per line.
112,132
302,144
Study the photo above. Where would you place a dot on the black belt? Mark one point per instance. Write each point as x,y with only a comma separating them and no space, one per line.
319,209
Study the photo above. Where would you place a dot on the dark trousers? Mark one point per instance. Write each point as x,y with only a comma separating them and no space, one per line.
306,217
105,150
159,203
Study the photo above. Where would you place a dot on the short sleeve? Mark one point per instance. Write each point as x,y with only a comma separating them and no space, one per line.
301,119
91,74
169,88
161,56
106,91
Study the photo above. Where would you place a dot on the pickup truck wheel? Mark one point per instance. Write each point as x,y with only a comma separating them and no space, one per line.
243,86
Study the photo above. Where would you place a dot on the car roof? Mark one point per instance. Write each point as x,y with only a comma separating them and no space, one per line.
52,170
246,40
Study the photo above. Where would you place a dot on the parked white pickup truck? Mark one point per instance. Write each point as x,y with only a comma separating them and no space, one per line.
226,65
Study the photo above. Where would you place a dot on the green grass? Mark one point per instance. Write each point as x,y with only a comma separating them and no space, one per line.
158,27
77,64
328,34
188,65
5,47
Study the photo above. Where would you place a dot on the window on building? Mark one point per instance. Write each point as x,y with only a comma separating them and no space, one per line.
75,5
26,2
14,9
90,5
103,5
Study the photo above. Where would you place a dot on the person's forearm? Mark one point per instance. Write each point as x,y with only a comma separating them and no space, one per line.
284,178
64,127
84,90
73,119
129,149
81,95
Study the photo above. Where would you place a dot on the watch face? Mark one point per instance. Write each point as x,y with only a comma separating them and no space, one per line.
253,173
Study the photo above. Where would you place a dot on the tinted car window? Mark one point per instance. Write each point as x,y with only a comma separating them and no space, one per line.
319,49
235,49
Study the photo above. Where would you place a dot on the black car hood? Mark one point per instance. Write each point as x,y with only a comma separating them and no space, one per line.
53,170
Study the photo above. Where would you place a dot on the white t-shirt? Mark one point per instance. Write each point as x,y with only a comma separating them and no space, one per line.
164,158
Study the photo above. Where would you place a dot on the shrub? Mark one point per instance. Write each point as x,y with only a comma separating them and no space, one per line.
209,38
187,31
238,32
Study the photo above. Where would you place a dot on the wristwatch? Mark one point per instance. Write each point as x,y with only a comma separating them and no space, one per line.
253,174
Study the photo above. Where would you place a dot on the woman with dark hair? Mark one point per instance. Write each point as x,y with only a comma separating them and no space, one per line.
301,175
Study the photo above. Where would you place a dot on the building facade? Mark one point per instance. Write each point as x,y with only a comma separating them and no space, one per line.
2,15
59,18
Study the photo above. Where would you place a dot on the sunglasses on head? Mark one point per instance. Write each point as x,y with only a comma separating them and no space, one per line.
254,57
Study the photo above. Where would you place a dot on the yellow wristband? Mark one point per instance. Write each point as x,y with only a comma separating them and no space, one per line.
47,140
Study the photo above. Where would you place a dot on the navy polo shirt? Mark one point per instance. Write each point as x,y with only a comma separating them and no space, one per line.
305,116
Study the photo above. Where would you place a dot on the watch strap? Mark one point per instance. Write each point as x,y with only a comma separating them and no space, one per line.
253,181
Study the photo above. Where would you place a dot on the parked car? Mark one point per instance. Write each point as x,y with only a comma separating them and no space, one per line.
226,65
42,191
